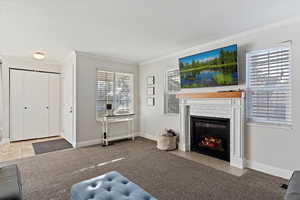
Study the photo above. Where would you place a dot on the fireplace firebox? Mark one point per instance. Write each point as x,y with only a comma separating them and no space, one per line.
211,136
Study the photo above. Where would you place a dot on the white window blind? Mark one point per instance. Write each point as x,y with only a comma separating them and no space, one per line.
116,89
104,91
123,93
172,88
269,86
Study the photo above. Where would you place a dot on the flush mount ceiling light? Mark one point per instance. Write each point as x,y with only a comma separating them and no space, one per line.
39,55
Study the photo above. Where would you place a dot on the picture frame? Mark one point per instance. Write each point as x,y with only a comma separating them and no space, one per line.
151,101
150,80
151,91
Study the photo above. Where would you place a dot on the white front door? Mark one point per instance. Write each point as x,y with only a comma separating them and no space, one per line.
35,114
68,105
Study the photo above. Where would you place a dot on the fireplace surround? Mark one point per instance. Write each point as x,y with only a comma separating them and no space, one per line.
211,136
228,105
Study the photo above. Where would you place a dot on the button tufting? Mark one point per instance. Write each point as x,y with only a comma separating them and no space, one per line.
127,193
91,196
146,198
103,187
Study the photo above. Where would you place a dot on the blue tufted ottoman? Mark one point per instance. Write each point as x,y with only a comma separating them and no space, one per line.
110,186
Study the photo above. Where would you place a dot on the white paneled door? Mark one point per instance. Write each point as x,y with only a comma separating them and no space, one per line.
35,100
34,105
54,104
68,108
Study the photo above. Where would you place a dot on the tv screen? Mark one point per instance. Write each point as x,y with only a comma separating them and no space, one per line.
210,69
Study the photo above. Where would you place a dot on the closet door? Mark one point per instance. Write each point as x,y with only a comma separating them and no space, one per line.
35,115
16,104
54,104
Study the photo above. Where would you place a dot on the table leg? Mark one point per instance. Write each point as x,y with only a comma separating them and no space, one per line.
132,129
106,130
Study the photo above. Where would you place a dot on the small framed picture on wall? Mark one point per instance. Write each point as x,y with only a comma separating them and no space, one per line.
151,91
151,101
150,80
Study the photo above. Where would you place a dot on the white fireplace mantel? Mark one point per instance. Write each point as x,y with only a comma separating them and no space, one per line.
231,108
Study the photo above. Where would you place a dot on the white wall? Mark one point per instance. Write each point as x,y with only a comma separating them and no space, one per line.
20,63
270,149
88,130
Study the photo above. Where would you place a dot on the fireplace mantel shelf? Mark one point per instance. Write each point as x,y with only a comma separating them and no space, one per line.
235,94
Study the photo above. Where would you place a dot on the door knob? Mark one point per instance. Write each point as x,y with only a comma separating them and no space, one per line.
47,107
25,107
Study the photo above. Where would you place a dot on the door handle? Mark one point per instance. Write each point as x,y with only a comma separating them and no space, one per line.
25,107
47,107
71,110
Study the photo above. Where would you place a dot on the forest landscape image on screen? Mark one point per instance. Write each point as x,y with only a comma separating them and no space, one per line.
210,69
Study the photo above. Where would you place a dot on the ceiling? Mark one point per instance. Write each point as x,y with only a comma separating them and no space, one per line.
134,30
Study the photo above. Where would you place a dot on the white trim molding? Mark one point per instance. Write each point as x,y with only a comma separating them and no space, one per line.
231,108
229,39
268,169
88,143
148,136
99,140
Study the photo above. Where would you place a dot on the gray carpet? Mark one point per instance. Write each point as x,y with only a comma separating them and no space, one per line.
50,146
164,175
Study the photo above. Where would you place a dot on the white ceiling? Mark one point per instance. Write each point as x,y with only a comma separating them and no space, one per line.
135,30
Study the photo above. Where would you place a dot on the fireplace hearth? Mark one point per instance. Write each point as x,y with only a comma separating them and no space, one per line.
211,136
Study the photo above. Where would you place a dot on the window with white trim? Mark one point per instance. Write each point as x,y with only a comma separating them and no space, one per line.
116,89
172,88
269,86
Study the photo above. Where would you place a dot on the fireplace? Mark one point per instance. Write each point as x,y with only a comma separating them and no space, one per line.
211,136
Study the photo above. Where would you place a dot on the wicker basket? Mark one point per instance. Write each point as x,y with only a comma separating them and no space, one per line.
167,143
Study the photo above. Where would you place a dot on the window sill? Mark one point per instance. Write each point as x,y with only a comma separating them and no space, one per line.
269,125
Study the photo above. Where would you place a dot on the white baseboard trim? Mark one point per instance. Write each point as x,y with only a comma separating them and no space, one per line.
69,140
99,141
148,136
237,162
268,169
88,143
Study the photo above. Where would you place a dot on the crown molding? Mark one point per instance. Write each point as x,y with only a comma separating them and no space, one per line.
228,40
105,58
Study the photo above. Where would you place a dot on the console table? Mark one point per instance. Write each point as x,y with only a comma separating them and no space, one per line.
116,119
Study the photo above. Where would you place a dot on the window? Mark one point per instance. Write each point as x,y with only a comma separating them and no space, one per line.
172,88
269,86
123,93
116,89
104,91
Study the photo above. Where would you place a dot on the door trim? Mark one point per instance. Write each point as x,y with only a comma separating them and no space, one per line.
9,95
32,70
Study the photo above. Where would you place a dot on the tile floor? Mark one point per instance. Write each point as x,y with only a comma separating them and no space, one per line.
21,149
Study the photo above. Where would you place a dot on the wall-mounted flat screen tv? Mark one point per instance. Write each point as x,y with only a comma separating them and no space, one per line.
210,69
